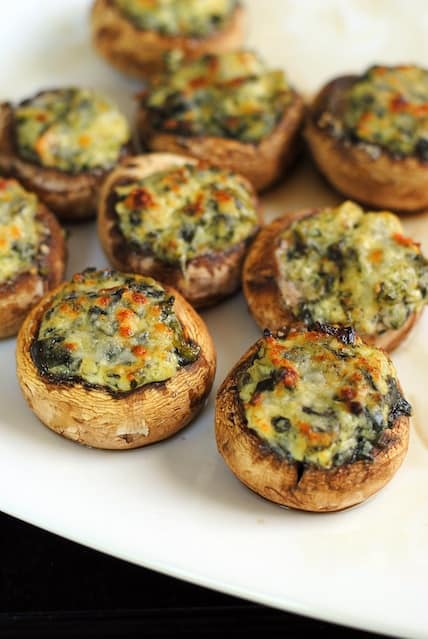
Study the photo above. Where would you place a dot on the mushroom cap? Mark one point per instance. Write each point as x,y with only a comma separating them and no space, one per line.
96,417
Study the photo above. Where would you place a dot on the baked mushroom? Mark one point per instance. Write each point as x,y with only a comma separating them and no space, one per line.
33,254
339,265
115,360
368,135
313,419
182,222
229,110
137,36
60,144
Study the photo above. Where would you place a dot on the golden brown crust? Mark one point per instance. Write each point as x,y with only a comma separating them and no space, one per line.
293,484
207,279
140,53
24,292
263,295
263,164
71,197
383,182
94,417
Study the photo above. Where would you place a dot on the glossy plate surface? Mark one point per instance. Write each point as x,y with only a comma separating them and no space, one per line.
175,507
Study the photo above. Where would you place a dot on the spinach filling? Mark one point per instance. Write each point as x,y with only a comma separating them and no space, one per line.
21,233
192,18
345,266
183,212
315,398
388,107
71,130
111,330
228,96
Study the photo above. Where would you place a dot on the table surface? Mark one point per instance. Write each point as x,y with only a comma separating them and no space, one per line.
51,587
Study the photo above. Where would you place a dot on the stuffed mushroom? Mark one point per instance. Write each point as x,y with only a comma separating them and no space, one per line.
61,143
229,110
33,254
368,135
115,360
340,265
313,419
137,37
182,222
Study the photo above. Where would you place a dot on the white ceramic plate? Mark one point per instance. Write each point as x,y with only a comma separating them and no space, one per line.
175,507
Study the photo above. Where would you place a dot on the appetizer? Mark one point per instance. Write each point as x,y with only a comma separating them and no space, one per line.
226,109
60,144
339,265
368,135
313,419
182,222
138,36
115,360
33,254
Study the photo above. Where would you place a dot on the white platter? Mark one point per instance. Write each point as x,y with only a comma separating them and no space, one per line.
175,507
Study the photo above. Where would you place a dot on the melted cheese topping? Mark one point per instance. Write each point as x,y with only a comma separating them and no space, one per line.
388,107
347,266
186,211
231,95
112,330
21,234
195,18
313,398
71,130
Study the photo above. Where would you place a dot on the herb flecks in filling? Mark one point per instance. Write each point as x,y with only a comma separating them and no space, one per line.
21,233
71,130
229,96
388,107
346,266
313,398
192,18
112,330
187,211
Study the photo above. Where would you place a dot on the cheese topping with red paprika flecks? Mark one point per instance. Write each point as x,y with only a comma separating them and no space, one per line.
387,107
192,18
70,129
347,266
230,95
21,233
321,397
186,211
112,330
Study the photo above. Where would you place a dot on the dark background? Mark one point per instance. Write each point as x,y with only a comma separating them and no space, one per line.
53,588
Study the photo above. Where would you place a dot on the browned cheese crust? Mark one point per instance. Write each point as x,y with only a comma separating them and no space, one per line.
208,279
263,164
140,53
293,484
18,296
384,182
95,417
263,295
72,198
